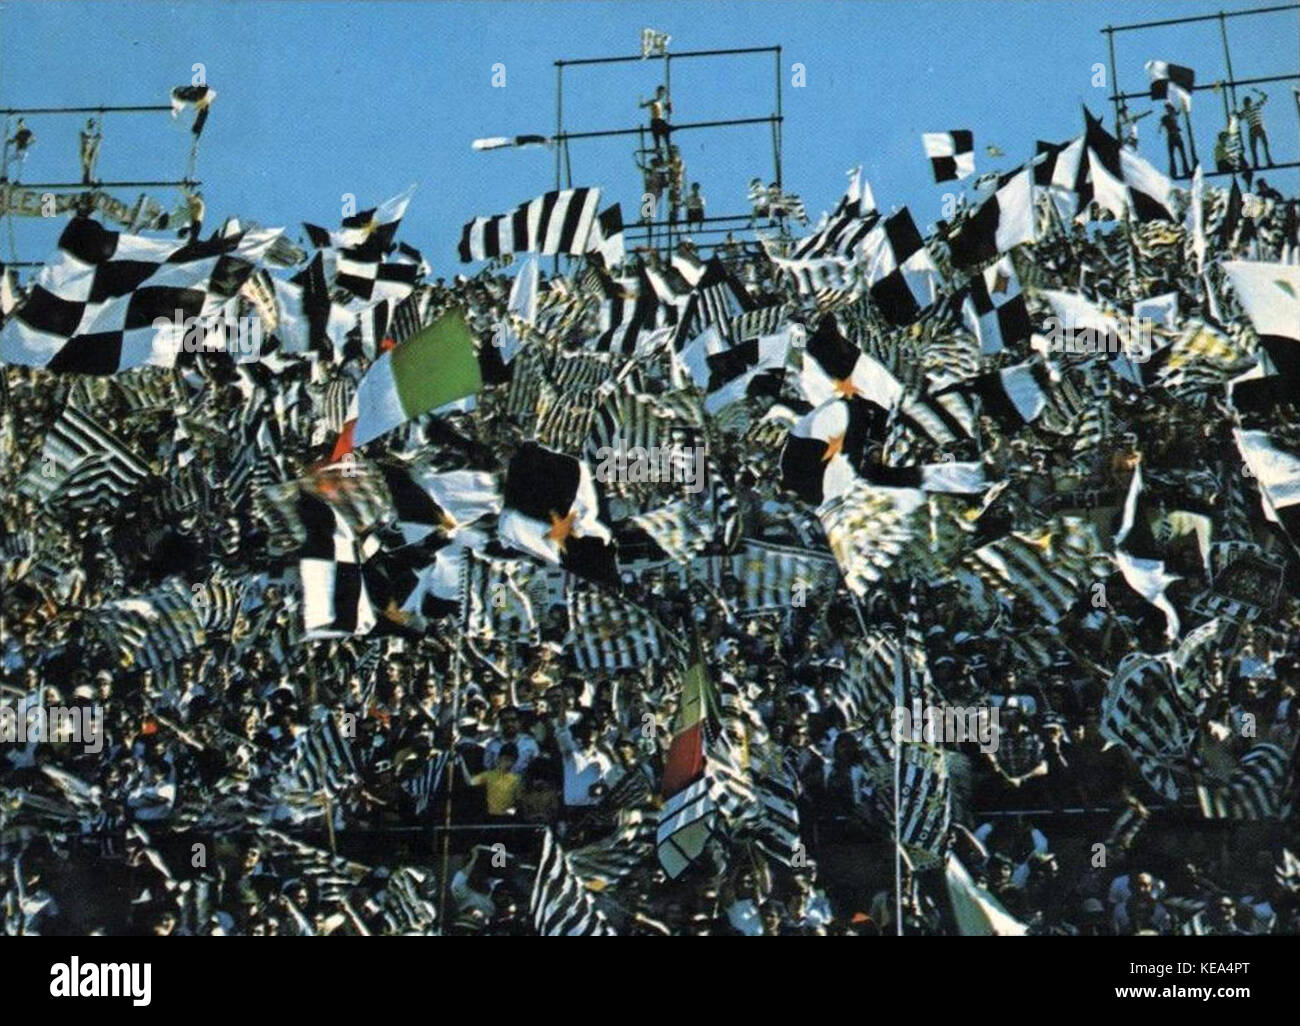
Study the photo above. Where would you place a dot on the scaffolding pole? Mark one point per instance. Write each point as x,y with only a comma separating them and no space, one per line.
110,109
92,186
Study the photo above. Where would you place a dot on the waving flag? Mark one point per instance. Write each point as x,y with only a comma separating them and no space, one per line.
815,462
952,154
1171,80
108,301
690,815
559,222
552,512
426,372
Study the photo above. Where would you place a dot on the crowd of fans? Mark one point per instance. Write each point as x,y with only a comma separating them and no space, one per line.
188,817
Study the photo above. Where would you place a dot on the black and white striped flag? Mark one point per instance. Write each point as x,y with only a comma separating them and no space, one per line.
560,905
564,221
84,467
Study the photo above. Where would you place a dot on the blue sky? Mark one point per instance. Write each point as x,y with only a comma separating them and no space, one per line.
321,99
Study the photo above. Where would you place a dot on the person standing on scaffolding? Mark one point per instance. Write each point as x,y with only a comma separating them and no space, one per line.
1254,120
676,182
655,178
1174,140
21,141
694,208
90,140
660,107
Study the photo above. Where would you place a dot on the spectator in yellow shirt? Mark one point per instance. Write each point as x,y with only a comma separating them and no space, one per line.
501,782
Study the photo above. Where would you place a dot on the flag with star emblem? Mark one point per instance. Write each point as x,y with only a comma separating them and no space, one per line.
834,368
552,512
373,229
994,309
815,463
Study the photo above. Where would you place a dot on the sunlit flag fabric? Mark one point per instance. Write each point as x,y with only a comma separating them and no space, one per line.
425,500
1270,295
199,97
521,313
952,154
845,228
501,142
1137,558
1121,180
371,230
561,222
899,272
690,815
1002,221
307,317
372,274
1171,81
1277,473
1014,396
435,367
336,602
560,905
995,309
108,301
1059,170
814,463
977,912
834,367
552,512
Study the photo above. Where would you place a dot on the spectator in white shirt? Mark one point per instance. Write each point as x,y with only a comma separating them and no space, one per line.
585,765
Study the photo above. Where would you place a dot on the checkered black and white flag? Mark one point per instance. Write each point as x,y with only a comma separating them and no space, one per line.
995,309
952,154
899,271
108,301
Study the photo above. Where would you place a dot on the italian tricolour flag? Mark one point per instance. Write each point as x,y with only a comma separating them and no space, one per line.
430,369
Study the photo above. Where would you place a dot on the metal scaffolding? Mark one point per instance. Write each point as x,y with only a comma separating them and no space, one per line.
644,231
1226,87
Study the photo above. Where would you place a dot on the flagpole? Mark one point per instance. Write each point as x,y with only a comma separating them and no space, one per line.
451,783
898,752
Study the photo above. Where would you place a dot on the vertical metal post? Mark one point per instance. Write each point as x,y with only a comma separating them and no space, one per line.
559,143
1191,139
776,125
1232,84
1114,80
559,116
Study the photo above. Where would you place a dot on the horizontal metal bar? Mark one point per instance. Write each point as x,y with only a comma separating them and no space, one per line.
86,110
1226,83
1199,17
92,186
676,128
706,220
662,56
1252,170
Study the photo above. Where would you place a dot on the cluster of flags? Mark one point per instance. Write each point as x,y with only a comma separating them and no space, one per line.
449,478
